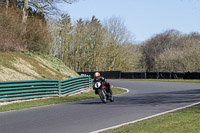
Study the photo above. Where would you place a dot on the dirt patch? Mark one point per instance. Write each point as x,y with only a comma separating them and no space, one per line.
25,67
8,74
44,63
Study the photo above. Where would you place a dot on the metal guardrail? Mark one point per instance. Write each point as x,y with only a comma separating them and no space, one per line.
74,85
18,90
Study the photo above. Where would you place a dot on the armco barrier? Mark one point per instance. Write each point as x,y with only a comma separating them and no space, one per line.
17,90
73,85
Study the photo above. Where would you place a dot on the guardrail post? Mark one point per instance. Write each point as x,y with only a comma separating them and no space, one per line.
59,88
89,80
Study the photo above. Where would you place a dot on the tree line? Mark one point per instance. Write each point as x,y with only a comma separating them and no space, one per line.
93,45
172,51
89,45
23,24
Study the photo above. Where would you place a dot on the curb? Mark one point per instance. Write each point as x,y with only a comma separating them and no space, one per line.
127,91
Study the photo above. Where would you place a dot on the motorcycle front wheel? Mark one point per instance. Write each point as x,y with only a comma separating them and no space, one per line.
102,96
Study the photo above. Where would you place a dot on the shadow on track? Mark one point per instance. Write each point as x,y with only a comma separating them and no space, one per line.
188,96
91,102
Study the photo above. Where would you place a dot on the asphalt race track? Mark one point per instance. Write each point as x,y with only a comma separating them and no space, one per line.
144,99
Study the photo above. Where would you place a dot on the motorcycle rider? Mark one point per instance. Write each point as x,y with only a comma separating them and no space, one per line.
103,80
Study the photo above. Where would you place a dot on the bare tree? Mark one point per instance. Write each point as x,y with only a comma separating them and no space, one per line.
158,44
43,6
172,51
117,36
25,13
117,30
94,47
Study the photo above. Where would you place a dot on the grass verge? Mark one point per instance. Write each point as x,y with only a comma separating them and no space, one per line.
162,80
184,121
55,100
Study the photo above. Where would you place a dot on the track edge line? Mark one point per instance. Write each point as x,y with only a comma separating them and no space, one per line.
145,118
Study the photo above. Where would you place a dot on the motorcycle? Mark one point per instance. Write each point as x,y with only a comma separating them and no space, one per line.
103,94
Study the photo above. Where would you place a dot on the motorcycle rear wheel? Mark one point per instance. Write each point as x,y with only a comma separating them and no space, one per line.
112,99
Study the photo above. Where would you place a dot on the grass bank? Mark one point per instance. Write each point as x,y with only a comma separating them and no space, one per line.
184,121
32,66
55,100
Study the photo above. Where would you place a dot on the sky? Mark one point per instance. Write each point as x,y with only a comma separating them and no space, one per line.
143,18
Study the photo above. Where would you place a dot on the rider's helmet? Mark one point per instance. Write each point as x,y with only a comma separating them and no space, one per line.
97,74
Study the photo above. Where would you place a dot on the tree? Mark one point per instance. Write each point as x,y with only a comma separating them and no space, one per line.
25,13
41,6
118,33
91,46
158,44
117,37
185,58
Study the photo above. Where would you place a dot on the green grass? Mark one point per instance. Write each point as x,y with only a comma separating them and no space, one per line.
162,80
55,100
184,121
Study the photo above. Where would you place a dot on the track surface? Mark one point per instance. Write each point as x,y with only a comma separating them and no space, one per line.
144,99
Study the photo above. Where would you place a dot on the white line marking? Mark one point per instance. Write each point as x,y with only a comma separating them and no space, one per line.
145,118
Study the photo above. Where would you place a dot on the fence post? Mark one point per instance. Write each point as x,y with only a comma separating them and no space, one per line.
89,81
59,88
145,75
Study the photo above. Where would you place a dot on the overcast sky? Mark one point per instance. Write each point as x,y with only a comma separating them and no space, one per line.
143,18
